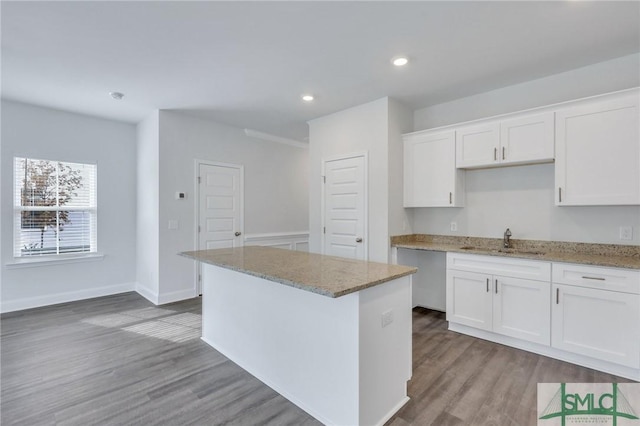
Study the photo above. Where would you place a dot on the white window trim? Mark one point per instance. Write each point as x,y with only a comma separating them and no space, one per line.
58,259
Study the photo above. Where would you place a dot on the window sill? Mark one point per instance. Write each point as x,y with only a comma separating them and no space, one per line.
33,262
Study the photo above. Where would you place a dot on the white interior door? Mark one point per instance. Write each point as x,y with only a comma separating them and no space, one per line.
345,208
220,206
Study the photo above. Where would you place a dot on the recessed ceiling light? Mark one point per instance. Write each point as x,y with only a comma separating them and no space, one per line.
307,98
400,61
116,95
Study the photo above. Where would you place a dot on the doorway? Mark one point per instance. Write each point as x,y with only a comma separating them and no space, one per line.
344,198
219,207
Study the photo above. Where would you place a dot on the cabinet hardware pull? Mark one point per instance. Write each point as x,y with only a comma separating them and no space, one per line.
503,152
559,195
496,286
487,285
450,198
495,154
593,278
557,296
237,233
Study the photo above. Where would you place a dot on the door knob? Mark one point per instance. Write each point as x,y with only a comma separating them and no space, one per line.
358,240
238,233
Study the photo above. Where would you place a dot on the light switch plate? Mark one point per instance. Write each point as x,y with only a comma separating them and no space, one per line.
454,226
173,224
626,233
387,318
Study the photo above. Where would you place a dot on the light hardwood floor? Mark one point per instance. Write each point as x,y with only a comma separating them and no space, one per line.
119,360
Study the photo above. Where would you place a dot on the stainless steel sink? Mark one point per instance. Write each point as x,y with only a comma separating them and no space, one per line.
505,250
512,251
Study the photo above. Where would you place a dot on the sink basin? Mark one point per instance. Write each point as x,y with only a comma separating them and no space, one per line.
512,251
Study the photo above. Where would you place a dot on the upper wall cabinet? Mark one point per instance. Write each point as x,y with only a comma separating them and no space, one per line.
430,175
521,140
598,152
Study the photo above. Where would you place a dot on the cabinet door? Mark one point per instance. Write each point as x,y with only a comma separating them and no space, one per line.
469,299
478,146
521,309
430,175
527,139
598,153
597,323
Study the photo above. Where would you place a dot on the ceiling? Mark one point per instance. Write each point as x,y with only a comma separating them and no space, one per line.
246,64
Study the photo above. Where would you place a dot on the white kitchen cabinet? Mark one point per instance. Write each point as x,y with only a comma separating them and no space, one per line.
477,145
527,139
598,152
521,309
430,175
508,305
524,139
596,312
469,299
597,323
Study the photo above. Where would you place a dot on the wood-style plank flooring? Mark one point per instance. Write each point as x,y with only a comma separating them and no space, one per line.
119,360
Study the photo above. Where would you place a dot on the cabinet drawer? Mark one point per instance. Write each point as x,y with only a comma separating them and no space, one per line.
613,279
497,265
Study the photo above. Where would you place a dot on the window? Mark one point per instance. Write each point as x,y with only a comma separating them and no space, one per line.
54,208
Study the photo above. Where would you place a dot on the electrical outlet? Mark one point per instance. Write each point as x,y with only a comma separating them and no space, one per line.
626,233
387,318
454,226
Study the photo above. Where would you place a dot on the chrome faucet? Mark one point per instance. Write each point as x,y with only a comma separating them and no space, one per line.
507,242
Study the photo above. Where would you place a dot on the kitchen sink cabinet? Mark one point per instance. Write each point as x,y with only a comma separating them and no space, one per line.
523,139
598,152
508,305
430,175
596,312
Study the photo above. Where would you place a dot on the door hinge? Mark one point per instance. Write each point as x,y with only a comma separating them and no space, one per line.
199,179
324,179
324,229
199,278
198,228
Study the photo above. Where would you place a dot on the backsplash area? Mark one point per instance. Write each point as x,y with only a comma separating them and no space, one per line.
522,198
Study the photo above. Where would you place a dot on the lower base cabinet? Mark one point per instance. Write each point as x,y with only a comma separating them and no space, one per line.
507,305
586,314
521,309
597,323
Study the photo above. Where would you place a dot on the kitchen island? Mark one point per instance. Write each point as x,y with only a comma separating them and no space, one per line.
332,335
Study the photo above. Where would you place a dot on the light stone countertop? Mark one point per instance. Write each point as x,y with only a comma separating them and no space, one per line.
327,275
611,255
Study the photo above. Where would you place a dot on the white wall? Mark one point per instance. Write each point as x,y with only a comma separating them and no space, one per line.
400,121
375,128
521,197
276,197
147,225
37,132
360,129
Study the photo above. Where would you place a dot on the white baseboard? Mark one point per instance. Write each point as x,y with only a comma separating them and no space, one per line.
163,298
176,296
53,299
148,294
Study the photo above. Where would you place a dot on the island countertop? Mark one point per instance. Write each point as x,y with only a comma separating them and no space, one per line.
326,275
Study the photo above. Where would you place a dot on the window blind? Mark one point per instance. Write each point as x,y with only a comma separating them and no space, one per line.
55,209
